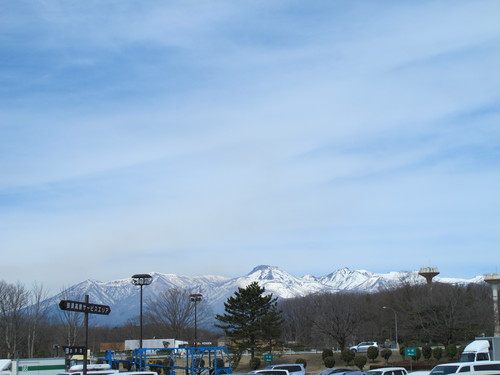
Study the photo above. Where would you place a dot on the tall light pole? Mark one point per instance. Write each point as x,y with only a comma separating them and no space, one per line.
395,323
195,298
141,280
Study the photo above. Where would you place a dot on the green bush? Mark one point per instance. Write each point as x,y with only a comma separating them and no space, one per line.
347,356
427,352
326,353
386,354
437,353
372,353
360,361
329,361
219,362
254,363
419,354
450,351
302,361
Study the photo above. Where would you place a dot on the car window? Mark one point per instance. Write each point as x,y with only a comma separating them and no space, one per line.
485,367
482,357
443,370
464,369
290,368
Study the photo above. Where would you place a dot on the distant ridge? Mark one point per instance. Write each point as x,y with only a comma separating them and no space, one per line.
123,297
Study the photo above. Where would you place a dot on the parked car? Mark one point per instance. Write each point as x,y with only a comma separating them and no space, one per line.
270,372
364,345
334,370
292,368
452,368
388,371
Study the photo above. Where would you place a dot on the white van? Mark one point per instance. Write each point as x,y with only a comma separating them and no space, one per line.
459,367
388,371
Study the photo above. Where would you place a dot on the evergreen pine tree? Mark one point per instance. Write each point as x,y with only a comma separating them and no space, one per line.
251,319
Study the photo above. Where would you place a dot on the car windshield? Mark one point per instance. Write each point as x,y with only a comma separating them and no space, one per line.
443,370
467,357
374,372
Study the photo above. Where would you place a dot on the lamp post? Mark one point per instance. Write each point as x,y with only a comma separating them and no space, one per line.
141,280
395,323
195,298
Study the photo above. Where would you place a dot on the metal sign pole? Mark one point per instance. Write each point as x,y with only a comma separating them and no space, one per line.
86,338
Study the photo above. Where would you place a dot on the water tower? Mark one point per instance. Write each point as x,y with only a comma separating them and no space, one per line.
429,273
494,281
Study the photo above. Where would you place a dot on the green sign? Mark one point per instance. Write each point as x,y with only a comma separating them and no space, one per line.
268,357
410,352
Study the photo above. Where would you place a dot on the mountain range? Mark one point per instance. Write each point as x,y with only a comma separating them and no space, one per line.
123,297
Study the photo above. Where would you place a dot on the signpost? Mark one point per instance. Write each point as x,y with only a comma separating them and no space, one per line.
410,352
84,307
74,350
87,308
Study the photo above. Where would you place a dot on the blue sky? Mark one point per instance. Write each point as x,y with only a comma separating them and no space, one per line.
202,138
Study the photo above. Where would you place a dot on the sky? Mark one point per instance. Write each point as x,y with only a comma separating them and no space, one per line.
210,137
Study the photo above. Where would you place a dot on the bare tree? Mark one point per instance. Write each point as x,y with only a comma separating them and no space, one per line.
295,327
73,321
14,299
174,309
37,311
335,315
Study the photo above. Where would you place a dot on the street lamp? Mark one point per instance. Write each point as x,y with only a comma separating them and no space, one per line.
195,298
395,323
141,280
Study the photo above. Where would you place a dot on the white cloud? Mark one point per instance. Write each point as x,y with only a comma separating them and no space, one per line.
253,128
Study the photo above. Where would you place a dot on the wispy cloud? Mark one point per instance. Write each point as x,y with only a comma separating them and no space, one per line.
193,132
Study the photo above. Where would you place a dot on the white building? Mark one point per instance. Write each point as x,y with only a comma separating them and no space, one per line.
155,344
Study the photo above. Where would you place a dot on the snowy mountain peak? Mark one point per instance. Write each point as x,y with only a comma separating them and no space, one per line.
121,294
263,269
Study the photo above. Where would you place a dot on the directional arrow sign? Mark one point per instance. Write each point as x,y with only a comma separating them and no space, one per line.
90,308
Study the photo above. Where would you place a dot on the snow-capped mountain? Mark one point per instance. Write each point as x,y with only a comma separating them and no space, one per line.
122,296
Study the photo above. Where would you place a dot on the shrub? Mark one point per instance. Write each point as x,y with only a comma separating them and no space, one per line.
329,361
360,361
254,363
347,356
418,355
386,354
302,361
372,353
326,353
437,353
427,352
450,351
402,351
219,362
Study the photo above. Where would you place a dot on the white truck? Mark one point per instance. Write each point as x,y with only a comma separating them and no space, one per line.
482,349
32,366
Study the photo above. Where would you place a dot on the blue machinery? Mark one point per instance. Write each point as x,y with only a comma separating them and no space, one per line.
178,361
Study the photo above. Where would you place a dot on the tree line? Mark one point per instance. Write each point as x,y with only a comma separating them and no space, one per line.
257,321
